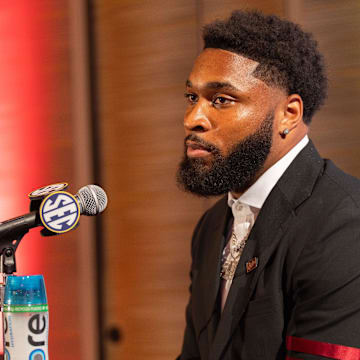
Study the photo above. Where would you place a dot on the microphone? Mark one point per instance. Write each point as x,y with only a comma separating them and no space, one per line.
92,200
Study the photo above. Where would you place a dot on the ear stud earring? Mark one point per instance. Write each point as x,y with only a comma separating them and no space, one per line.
286,131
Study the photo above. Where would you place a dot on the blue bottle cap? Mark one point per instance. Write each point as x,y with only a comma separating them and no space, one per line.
25,290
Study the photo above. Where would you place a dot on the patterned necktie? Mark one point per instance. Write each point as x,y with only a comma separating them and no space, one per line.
243,222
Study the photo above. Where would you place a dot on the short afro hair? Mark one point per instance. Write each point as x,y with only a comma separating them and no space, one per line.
288,56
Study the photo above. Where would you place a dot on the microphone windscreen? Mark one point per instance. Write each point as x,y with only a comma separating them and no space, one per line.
92,199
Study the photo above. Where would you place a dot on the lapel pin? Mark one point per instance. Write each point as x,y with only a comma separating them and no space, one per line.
252,264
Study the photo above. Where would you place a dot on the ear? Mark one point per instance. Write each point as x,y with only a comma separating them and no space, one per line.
292,114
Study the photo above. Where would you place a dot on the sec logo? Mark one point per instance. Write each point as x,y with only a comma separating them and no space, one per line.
37,355
59,212
46,190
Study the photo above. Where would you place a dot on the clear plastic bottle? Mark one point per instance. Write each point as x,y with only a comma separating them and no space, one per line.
26,318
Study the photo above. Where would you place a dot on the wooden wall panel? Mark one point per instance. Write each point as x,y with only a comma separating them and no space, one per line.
212,9
336,26
144,54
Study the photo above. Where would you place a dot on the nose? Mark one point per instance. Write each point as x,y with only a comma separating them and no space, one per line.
196,119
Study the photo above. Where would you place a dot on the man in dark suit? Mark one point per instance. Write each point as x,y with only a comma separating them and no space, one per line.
275,263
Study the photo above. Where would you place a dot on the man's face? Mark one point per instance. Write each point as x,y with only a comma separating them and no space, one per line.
228,124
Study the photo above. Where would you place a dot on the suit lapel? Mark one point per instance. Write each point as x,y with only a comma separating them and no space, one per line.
274,218
205,293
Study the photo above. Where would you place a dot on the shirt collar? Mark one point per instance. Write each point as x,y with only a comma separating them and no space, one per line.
257,193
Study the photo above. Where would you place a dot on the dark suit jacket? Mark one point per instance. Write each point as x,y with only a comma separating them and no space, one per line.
305,291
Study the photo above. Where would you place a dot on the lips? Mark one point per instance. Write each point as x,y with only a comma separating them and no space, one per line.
195,149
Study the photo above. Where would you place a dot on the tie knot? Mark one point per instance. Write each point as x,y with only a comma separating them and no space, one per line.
243,217
241,211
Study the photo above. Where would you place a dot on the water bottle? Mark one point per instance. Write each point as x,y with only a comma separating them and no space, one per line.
26,318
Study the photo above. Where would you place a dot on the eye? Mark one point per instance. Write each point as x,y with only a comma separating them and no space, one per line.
221,100
192,98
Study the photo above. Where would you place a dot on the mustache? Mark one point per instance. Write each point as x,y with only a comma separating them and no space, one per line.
206,145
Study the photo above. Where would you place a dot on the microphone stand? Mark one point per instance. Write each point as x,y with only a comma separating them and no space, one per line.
10,239
8,246
11,236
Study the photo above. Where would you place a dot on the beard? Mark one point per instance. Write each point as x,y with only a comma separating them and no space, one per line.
234,172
